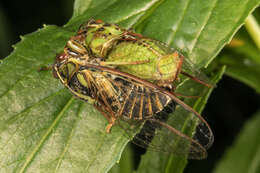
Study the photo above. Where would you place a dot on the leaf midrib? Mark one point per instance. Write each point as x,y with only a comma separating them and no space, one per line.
205,23
67,143
30,157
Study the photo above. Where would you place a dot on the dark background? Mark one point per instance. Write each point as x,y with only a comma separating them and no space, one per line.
230,105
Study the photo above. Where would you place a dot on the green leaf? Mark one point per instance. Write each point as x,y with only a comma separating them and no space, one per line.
244,154
243,69
243,61
126,164
199,29
44,129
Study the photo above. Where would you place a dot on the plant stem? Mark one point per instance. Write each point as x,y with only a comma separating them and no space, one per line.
253,29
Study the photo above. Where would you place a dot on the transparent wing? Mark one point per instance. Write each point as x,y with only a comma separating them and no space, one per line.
189,68
167,131
183,135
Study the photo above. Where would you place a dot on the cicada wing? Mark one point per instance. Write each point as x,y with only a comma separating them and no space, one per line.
200,129
168,139
178,134
183,132
189,69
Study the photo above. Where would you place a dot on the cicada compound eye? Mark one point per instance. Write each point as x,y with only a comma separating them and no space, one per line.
99,21
61,57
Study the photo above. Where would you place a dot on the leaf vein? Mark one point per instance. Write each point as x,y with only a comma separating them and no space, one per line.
198,35
68,141
172,35
44,137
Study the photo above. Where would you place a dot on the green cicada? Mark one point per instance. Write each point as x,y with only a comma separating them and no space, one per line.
120,96
132,53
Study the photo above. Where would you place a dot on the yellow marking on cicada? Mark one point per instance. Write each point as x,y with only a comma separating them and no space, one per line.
158,102
72,68
132,108
149,104
65,83
167,66
108,44
126,100
82,80
141,105
106,86
77,47
78,61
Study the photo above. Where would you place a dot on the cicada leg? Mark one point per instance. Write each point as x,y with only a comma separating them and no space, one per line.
48,68
45,68
105,63
196,79
131,36
110,125
111,119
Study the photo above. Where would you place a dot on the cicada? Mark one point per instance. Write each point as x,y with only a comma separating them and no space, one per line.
123,97
133,53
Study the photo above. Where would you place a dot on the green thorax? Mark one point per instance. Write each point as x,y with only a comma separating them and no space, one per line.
154,61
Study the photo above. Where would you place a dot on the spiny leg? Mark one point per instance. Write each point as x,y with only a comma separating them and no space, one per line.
45,68
196,79
105,63
111,119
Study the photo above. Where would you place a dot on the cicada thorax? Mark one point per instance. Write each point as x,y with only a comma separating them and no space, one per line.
156,64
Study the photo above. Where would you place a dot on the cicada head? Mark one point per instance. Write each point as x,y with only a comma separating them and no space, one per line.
62,57
61,68
100,36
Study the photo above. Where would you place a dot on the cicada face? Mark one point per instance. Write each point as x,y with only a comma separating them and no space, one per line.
68,73
100,36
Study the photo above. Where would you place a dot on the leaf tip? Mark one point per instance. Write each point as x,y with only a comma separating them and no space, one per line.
44,26
14,46
21,37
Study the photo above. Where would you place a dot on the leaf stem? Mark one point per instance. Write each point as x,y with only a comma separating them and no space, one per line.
253,29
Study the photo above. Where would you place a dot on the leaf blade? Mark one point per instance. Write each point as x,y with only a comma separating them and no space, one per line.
240,158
